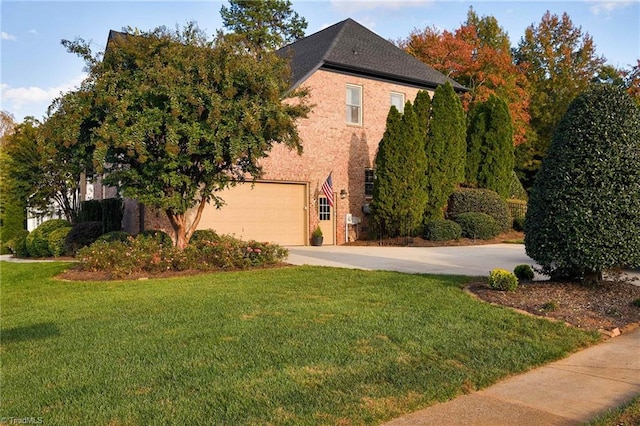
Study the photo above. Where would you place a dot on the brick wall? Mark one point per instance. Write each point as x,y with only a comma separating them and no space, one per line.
330,144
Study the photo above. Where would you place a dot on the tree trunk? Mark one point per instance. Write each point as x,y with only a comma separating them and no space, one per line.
182,233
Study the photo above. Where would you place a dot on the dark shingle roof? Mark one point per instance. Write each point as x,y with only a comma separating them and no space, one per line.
349,47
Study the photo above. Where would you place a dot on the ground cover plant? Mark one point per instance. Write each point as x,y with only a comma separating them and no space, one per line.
298,345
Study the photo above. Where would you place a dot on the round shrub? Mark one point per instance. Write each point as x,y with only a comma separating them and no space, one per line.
442,230
82,235
500,279
56,240
38,240
158,235
114,236
466,200
18,244
477,225
584,208
518,223
523,272
204,235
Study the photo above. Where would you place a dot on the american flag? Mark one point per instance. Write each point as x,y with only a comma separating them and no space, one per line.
327,188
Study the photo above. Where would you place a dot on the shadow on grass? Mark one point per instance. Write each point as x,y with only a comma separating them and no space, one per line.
29,332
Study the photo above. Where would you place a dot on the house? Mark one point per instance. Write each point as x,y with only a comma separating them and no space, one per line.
353,77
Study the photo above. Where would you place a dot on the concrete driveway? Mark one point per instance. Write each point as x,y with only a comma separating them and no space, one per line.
468,260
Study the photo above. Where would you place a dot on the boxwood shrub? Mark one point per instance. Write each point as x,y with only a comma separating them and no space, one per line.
38,240
524,272
477,225
18,244
114,236
57,239
500,279
82,235
466,200
442,230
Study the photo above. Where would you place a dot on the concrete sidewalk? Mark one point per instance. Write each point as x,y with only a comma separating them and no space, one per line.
571,391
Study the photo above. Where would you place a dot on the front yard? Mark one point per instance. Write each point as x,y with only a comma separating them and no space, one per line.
298,345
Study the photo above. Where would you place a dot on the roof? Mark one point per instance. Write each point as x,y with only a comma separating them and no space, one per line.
350,47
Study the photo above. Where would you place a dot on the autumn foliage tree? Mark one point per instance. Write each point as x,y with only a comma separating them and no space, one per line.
179,118
560,62
477,55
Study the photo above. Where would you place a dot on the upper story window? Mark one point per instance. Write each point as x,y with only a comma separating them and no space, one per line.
354,104
397,100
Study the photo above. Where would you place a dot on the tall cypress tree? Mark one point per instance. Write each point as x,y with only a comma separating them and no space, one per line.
446,149
490,154
496,165
399,198
422,108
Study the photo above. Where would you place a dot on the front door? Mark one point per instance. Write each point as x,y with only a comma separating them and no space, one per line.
327,221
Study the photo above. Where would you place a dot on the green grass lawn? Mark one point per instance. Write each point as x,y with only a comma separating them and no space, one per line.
300,345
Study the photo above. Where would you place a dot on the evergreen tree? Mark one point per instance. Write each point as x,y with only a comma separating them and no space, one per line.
399,198
584,209
422,109
496,147
446,150
477,128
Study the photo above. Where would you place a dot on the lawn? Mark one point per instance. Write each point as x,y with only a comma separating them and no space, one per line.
299,345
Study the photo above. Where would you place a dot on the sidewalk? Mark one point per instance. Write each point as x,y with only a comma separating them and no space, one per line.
571,391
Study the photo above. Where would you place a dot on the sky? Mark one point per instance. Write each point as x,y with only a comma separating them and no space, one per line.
36,68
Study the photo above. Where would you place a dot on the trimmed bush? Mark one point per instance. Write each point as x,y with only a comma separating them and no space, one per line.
57,239
18,244
158,235
147,254
90,211
518,223
112,214
204,235
38,240
466,200
500,279
477,225
523,272
584,209
442,230
114,236
82,235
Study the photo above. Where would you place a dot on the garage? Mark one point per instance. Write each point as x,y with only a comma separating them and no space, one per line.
266,211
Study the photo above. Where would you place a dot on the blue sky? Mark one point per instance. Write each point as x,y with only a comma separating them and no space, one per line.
36,68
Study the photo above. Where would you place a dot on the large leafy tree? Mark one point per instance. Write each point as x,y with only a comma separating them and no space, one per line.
446,150
399,198
178,117
584,209
12,207
560,62
489,146
477,55
265,24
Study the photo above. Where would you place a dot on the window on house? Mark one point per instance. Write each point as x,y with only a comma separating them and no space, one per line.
324,208
369,178
397,100
354,104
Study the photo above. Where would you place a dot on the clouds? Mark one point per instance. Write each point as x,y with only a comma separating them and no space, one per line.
606,7
7,36
25,100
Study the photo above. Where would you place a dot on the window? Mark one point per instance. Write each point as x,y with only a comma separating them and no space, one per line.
324,208
369,178
354,104
397,100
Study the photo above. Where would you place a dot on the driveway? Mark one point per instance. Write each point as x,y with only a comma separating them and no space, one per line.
468,260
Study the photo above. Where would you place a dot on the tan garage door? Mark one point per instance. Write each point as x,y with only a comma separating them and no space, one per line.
267,211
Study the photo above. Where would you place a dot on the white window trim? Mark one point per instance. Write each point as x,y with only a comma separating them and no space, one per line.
401,109
354,86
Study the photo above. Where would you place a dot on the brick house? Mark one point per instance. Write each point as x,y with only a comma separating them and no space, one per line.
353,77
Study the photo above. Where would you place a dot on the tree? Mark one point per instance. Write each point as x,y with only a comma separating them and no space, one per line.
584,211
490,147
559,62
422,110
12,208
265,24
446,150
477,55
399,198
178,118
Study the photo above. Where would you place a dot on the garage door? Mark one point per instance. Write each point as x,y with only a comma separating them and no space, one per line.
267,211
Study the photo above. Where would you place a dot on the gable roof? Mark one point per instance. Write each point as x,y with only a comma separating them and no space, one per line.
350,47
